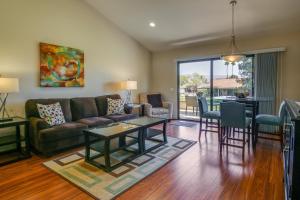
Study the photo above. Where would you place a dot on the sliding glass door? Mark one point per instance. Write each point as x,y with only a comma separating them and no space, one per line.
213,79
194,79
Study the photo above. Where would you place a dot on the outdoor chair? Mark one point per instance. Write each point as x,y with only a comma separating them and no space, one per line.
191,101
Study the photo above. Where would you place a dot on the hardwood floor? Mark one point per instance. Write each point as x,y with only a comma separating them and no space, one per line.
199,173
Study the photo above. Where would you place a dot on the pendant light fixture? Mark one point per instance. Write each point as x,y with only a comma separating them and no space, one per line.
234,56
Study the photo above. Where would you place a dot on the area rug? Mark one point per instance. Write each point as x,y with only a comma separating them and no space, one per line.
181,123
102,185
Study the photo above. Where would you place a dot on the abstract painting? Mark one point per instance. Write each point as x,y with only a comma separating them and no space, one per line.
61,66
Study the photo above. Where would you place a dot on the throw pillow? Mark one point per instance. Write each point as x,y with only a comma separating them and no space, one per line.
155,100
51,113
115,106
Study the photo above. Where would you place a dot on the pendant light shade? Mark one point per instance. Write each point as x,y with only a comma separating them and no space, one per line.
234,56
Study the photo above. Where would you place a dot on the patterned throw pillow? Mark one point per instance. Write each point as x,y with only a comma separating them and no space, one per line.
115,106
51,113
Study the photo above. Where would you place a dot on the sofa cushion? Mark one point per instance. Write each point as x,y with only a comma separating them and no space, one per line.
32,111
155,100
83,107
95,121
159,111
67,130
51,113
101,103
115,106
121,117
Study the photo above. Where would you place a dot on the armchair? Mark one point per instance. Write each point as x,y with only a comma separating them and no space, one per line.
165,110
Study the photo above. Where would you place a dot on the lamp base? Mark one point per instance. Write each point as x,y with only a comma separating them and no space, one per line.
6,119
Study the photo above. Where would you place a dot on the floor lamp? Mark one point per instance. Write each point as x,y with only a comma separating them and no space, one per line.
129,86
7,86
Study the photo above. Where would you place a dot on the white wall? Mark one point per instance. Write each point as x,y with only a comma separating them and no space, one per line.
164,69
110,54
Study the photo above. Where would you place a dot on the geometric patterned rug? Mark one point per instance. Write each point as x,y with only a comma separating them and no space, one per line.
103,185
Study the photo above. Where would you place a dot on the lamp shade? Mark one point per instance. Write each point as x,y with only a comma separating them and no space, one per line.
129,85
233,58
9,85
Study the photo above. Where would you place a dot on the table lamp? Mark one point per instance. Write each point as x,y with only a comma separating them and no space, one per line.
129,86
7,85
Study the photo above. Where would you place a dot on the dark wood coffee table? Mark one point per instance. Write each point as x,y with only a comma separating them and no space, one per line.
145,124
101,157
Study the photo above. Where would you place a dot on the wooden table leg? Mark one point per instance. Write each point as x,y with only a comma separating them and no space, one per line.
165,132
141,141
253,128
18,138
87,147
27,141
107,154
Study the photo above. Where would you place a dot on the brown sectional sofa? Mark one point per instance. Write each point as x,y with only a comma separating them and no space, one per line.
80,113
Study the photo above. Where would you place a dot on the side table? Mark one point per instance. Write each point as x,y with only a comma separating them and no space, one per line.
140,107
8,154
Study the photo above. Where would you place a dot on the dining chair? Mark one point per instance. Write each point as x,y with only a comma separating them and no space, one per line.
233,115
204,113
272,120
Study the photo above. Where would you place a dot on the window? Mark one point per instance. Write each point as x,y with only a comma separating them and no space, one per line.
212,78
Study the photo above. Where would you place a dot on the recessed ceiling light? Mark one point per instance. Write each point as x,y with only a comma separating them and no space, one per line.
152,24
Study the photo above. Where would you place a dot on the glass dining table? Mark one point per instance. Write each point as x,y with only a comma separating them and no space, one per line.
253,104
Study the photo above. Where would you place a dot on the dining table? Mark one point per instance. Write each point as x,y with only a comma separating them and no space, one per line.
253,104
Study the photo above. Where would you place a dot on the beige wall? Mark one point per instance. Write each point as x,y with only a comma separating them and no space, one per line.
110,54
164,68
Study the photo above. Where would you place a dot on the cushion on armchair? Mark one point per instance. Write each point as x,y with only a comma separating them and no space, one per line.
159,111
155,100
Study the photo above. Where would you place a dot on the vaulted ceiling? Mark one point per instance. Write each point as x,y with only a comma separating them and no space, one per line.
183,22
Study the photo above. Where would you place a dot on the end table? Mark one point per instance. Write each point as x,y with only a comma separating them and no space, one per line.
140,107
8,154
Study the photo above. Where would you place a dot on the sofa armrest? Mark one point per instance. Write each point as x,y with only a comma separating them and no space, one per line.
35,125
38,123
148,109
169,106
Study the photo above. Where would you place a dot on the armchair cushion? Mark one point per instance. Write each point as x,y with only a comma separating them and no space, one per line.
159,111
155,100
